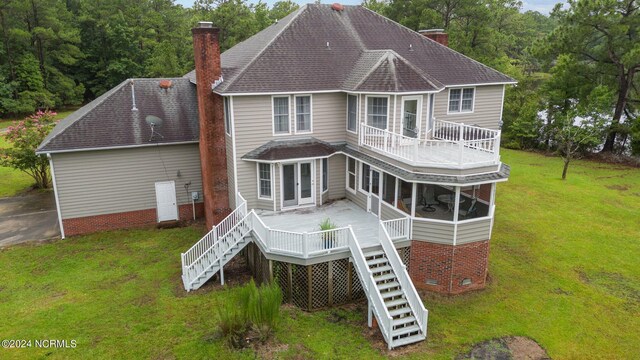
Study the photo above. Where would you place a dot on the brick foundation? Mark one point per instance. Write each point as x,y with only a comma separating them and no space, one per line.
449,265
123,220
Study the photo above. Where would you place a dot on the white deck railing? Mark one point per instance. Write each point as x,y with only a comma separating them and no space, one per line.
450,145
301,244
419,311
398,229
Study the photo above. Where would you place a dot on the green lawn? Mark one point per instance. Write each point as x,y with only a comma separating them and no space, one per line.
564,270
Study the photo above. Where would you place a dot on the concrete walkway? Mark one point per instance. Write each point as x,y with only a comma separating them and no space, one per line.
26,218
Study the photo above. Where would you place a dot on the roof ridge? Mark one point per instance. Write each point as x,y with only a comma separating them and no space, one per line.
374,67
427,39
422,74
82,112
241,71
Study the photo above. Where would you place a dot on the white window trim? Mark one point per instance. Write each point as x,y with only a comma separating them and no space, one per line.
418,113
473,101
355,175
295,114
357,113
227,114
273,116
270,181
366,108
322,192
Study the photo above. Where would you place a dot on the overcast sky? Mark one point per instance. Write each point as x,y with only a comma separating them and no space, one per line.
543,6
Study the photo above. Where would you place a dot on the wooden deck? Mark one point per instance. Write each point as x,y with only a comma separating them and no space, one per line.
341,213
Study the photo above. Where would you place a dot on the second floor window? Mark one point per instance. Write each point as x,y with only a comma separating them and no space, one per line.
281,115
461,100
303,113
352,112
377,112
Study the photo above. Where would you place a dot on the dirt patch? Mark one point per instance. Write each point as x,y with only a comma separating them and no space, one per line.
615,284
560,291
618,187
236,273
507,348
144,300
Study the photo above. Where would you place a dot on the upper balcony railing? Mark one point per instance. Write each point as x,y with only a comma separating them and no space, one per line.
449,145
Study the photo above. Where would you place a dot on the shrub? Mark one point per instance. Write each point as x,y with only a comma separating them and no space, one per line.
257,308
233,325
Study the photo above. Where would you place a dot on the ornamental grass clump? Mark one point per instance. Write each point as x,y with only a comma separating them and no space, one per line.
257,309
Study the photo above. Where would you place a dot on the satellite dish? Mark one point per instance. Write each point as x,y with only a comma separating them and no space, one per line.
153,120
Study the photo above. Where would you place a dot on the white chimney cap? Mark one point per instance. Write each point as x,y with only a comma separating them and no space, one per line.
205,24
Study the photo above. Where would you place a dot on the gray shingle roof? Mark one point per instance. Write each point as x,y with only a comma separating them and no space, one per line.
291,149
293,55
109,121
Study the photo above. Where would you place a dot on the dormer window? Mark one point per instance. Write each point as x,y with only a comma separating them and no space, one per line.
461,100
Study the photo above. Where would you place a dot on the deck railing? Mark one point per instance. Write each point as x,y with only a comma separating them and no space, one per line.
450,145
301,244
398,229
420,312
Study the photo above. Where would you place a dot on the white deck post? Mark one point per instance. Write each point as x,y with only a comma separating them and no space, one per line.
305,245
461,142
221,273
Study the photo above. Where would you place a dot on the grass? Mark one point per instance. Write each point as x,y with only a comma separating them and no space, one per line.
6,122
563,266
13,181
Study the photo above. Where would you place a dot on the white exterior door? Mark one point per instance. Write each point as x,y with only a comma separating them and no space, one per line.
166,201
306,176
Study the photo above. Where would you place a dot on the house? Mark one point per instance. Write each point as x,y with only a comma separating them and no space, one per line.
333,114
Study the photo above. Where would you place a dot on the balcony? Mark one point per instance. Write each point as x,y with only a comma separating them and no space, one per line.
448,145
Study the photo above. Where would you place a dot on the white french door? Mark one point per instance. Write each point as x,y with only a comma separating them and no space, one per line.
411,106
298,184
373,198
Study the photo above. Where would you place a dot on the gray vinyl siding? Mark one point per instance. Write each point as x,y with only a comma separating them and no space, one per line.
113,181
230,173
474,231
433,232
487,107
337,177
253,127
389,213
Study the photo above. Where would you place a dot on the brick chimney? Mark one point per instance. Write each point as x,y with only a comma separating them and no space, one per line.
437,35
213,160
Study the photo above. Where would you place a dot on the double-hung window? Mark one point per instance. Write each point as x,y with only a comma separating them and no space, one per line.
281,115
377,109
351,174
352,113
264,179
461,100
303,113
227,116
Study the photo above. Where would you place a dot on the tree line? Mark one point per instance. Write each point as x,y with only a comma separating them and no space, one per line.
575,67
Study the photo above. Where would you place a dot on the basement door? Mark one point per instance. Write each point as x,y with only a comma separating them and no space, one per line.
166,201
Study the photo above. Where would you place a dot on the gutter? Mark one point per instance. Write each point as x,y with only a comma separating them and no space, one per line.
42,152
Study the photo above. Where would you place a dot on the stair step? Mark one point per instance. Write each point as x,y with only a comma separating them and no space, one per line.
381,269
377,261
405,331
390,294
407,340
403,310
396,302
388,285
384,277
403,320
373,253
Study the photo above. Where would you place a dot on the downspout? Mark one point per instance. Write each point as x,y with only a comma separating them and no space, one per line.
55,192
